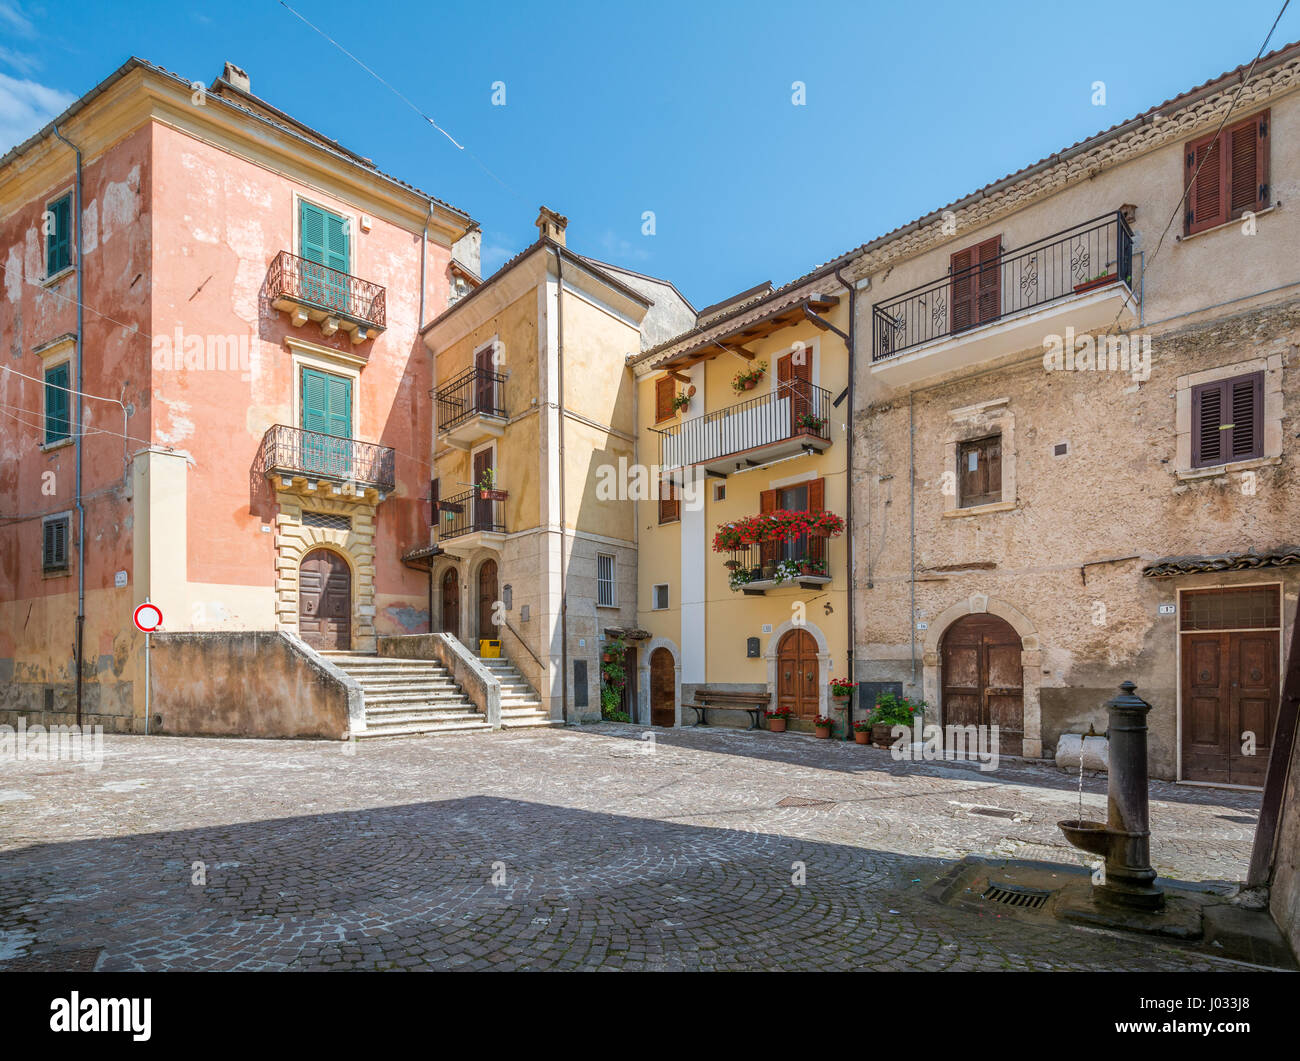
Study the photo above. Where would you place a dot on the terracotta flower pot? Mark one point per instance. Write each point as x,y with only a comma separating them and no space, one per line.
862,736
776,725
750,384
822,732
881,734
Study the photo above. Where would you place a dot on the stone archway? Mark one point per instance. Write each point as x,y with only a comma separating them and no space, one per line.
647,652
1031,662
823,653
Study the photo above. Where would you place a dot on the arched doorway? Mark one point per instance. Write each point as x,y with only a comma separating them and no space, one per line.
663,688
798,674
451,602
325,600
982,678
487,598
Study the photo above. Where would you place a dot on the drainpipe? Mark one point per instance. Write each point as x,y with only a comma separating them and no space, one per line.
848,515
564,567
81,508
424,244
911,519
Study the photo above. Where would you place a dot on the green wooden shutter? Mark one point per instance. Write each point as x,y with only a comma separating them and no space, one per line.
58,241
326,403
311,233
336,242
57,425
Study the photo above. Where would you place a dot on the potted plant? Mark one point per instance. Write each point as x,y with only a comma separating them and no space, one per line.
812,566
740,577
822,727
681,401
891,711
809,422
747,379
1100,280
784,570
842,690
777,718
862,731
487,490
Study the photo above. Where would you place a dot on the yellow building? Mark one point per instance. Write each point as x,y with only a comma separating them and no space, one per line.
534,408
745,414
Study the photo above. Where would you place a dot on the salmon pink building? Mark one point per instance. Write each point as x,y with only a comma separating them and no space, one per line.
214,394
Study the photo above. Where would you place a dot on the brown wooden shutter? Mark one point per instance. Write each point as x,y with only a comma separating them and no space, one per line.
665,392
976,289
980,471
1228,420
769,501
1247,165
670,510
1203,182
434,487
816,503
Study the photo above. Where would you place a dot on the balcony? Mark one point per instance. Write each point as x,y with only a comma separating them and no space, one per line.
470,521
471,408
794,418
1079,277
802,562
309,291
310,462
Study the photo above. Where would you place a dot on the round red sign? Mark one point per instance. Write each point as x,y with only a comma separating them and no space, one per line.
148,617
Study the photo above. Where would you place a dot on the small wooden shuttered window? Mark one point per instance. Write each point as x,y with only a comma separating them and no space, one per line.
665,392
976,296
58,424
435,487
1226,176
54,544
1228,420
979,471
670,505
769,501
58,236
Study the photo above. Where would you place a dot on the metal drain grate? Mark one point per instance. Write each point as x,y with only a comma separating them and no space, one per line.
1012,895
993,812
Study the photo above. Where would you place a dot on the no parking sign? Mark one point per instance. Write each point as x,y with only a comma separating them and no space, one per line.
147,617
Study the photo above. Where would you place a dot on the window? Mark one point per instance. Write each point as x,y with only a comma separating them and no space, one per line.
326,403
660,597
54,545
605,580
979,471
58,423
58,236
1224,177
719,491
665,392
1228,420
976,284
670,506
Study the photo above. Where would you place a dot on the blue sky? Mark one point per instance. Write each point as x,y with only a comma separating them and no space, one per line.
683,109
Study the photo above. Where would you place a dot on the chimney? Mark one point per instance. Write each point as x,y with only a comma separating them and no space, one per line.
552,225
237,77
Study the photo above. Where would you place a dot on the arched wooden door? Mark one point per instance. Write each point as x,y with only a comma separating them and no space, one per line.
798,679
663,688
451,602
487,598
983,679
325,600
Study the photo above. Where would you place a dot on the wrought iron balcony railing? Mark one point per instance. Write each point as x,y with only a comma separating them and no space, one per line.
794,409
479,390
470,512
1092,254
293,451
778,563
329,290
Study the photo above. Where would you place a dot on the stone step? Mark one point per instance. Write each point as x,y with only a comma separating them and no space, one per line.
398,715
417,729
419,702
378,685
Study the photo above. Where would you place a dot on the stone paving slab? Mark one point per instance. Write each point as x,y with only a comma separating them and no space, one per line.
579,848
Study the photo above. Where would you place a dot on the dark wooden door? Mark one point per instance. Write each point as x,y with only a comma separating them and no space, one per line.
484,383
325,600
487,598
663,688
797,674
482,508
1230,702
983,679
451,602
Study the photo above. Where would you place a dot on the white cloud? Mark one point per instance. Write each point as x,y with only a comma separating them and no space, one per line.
25,106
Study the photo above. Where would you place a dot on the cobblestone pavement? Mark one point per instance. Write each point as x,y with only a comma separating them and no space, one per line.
607,853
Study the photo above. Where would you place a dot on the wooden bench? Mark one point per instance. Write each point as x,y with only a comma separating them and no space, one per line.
722,700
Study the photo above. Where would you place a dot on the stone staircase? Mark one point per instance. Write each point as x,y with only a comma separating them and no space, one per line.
405,697
520,706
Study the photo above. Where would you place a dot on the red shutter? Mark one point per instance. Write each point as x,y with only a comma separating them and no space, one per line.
769,552
1248,165
1203,181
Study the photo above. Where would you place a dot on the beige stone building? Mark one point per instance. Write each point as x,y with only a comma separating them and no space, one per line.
1076,435
533,403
